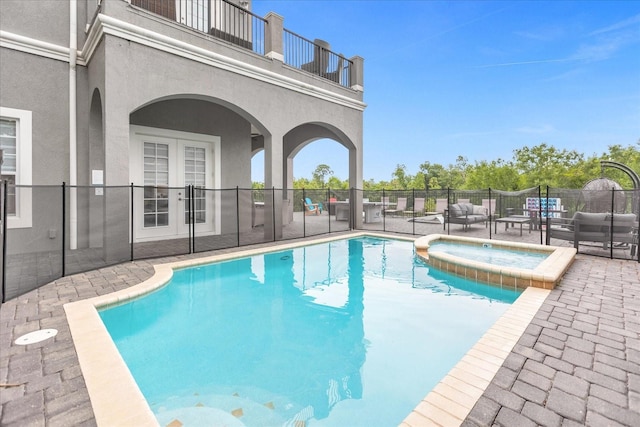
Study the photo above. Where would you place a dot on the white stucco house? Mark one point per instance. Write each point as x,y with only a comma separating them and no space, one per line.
159,94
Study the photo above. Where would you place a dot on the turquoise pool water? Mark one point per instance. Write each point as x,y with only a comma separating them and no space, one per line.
490,255
353,332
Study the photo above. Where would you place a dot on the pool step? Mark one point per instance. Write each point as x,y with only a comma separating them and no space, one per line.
230,410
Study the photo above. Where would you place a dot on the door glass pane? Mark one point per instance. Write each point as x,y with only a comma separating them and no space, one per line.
195,174
8,138
156,181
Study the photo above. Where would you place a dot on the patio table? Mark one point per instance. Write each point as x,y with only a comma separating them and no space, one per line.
513,220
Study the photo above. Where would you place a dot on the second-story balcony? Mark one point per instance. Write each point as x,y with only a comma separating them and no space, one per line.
233,22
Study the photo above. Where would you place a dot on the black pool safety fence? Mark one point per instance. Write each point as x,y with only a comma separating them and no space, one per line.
49,232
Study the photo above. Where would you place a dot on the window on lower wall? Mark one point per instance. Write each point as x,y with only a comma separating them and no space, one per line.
15,143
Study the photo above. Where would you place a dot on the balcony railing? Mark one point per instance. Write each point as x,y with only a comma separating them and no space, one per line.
228,21
219,18
316,58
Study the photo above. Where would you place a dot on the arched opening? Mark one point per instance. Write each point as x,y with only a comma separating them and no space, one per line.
95,199
186,142
327,152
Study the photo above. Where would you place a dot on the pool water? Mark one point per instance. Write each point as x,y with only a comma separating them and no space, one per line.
489,254
351,332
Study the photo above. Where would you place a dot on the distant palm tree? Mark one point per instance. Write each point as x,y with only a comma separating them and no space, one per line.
320,173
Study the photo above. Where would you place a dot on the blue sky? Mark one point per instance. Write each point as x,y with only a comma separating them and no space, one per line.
476,78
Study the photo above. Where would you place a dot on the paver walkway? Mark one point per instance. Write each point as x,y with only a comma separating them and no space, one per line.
577,363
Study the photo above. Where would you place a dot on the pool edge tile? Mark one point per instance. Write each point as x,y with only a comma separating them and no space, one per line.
115,397
460,380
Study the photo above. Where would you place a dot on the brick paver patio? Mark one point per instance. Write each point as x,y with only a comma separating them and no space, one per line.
578,362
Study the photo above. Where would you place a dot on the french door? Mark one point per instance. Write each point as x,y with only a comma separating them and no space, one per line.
165,163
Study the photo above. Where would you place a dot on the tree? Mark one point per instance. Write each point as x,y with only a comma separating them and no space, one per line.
628,156
496,174
544,165
321,171
432,174
400,180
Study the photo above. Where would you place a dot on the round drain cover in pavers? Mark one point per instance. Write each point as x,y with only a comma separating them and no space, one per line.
36,336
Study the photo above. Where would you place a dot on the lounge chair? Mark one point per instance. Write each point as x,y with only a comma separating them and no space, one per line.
312,208
441,205
418,207
400,207
385,202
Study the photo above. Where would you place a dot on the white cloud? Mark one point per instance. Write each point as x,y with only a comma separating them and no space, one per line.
634,20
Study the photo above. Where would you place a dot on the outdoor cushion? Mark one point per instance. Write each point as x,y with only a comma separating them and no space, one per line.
623,223
455,210
467,208
478,210
586,217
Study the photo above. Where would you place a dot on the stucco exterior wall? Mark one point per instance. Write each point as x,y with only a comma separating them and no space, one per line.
40,85
194,83
35,18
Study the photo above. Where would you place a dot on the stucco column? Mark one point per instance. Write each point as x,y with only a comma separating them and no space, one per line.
357,73
273,178
273,45
116,173
287,185
355,181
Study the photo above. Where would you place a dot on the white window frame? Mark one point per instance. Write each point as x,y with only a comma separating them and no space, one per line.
23,216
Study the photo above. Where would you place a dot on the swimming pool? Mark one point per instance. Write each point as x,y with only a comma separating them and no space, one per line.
514,265
330,334
489,254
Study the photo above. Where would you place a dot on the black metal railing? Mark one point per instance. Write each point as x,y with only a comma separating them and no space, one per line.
115,224
220,18
238,25
235,24
316,58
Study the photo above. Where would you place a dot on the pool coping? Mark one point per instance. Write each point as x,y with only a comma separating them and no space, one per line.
117,400
546,275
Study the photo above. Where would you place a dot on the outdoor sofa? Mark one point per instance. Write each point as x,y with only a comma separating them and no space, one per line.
596,227
465,214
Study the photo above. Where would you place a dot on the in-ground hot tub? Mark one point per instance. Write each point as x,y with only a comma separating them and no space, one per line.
448,253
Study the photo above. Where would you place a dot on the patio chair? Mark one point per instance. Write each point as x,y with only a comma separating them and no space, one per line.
400,207
320,60
441,205
489,205
418,207
311,208
336,75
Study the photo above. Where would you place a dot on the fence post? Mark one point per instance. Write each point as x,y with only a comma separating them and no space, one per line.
446,220
192,218
328,207
490,214
273,212
238,215
613,206
4,240
131,197
547,222
636,192
304,214
540,210
64,227
413,210
384,217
